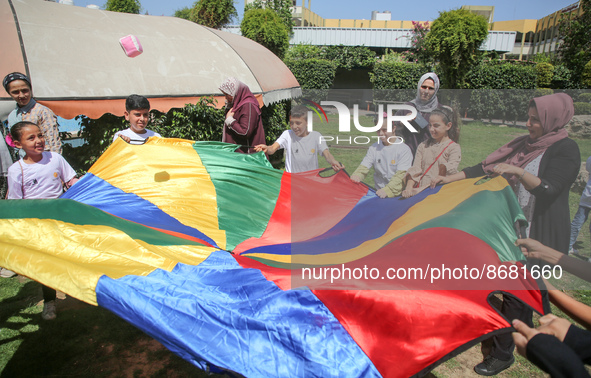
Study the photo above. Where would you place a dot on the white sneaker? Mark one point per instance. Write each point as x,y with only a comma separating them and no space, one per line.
572,252
48,310
5,273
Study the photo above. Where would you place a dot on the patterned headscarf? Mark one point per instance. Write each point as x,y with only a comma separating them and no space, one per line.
240,92
432,103
12,77
230,86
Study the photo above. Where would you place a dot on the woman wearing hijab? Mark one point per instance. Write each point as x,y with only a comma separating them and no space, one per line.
541,167
243,125
425,102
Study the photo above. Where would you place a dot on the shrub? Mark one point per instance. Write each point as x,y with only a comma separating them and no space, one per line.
562,78
302,51
545,73
315,75
394,57
501,76
539,92
346,57
582,108
586,75
200,121
396,81
514,86
585,97
349,57
275,120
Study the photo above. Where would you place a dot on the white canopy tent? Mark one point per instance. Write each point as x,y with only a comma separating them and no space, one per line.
77,66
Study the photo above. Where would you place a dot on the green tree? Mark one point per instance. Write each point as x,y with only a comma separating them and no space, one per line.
124,6
575,50
184,13
213,13
281,7
266,27
454,40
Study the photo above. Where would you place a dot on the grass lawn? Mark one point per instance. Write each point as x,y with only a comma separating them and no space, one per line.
87,341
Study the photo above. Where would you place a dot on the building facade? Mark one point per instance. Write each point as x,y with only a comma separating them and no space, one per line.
531,36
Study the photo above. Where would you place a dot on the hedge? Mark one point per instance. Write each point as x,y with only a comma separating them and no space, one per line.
582,108
315,75
545,73
502,76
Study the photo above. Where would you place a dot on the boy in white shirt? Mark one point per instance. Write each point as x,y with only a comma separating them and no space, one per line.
137,113
390,158
302,147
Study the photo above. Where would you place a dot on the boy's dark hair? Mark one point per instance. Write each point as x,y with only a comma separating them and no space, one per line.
135,102
16,129
299,111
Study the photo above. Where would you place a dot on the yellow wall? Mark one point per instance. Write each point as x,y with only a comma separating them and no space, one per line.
374,24
522,26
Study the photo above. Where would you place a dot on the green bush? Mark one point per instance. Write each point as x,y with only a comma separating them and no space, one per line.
302,51
396,75
540,58
394,57
513,85
346,57
586,75
349,57
200,121
396,81
314,75
562,78
582,108
585,97
275,120
539,92
545,73
502,76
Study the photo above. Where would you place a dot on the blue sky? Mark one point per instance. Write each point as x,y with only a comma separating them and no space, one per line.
425,10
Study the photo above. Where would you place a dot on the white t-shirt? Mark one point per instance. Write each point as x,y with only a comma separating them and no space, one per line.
386,161
301,154
41,180
134,136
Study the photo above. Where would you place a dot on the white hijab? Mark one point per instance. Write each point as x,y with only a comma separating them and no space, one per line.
433,103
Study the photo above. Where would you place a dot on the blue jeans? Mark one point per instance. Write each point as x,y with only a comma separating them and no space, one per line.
578,221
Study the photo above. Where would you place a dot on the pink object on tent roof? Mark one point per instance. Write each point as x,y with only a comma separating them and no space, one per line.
131,45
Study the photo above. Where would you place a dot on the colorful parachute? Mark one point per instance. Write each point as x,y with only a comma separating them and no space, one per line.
234,265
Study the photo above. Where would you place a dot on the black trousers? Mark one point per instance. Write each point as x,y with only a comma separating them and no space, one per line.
503,346
49,294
